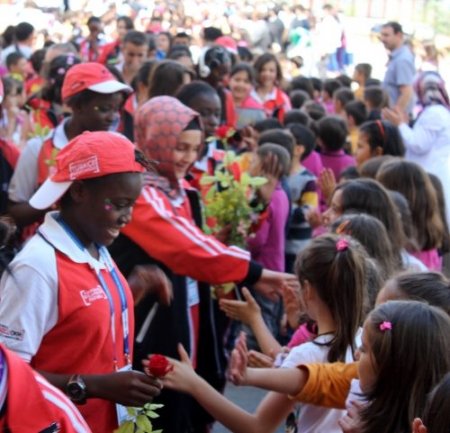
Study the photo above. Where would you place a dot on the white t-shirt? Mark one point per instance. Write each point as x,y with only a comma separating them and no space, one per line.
315,419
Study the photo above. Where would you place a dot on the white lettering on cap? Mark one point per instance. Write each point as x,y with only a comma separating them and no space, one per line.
85,166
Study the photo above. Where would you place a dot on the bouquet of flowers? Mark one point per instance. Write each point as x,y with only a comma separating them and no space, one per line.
231,199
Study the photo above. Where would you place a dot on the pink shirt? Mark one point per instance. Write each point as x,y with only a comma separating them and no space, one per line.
313,163
337,160
430,258
268,244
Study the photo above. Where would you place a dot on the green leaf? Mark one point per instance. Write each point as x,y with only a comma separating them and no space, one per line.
151,414
258,181
207,180
126,427
132,411
144,423
154,406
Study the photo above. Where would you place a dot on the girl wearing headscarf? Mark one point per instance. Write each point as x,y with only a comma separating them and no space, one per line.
428,141
165,229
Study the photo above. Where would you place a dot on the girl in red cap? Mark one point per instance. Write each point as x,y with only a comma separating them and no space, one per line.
165,228
65,307
94,96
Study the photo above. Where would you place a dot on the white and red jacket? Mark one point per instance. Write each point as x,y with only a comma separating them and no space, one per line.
35,406
166,231
55,315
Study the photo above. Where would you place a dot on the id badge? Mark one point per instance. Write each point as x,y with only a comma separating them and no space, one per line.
122,413
193,296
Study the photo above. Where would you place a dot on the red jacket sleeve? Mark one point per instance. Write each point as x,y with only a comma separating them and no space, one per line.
10,152
178,243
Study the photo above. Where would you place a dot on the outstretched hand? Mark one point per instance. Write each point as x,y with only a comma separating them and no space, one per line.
327,183
245,311
259,360
292,305
237,368
271,283
128,388
272,170
182,377
351,422
146,279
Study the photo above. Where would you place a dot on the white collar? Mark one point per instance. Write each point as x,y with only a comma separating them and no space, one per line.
269,97
59,135
57,236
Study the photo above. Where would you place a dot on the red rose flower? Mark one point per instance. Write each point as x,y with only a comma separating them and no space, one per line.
235,169
223,131
159,365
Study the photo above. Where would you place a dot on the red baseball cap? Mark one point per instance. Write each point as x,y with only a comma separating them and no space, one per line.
87,156
227,42
92,76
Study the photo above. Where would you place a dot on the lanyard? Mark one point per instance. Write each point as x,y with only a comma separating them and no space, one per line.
3,379
103,252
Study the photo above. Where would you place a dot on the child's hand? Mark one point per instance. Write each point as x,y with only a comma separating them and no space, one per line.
418,426
327,183
146,279
249,141
246,311
271,283
351,423
314,218
237,369
292,306
395,116
259,360
183,378
272,170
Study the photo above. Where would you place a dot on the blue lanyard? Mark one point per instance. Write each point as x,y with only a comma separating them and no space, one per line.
3,379
103,252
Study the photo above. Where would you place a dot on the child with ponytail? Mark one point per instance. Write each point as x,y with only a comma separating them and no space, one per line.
331,271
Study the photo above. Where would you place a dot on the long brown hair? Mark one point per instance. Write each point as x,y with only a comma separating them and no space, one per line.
370,197
436,416
413,182
338,276
410,359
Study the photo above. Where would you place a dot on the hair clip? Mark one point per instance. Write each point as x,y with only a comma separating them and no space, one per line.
342,226
61,71
108,204
385,326
342,244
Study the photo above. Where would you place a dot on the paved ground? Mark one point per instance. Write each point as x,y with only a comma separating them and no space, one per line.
247,398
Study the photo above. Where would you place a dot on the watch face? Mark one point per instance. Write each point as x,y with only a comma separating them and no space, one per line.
76,390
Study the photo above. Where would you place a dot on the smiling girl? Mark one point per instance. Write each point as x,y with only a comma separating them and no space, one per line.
268,91
65,307
165,229
248,109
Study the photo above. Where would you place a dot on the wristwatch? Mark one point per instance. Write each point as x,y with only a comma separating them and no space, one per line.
76,389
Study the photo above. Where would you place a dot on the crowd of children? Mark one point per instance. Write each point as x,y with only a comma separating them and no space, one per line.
339,287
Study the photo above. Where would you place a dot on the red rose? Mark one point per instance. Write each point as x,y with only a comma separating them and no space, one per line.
235,170
159,365
223,131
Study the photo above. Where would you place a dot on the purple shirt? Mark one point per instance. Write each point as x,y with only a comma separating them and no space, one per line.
337,160
313,163
267,245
